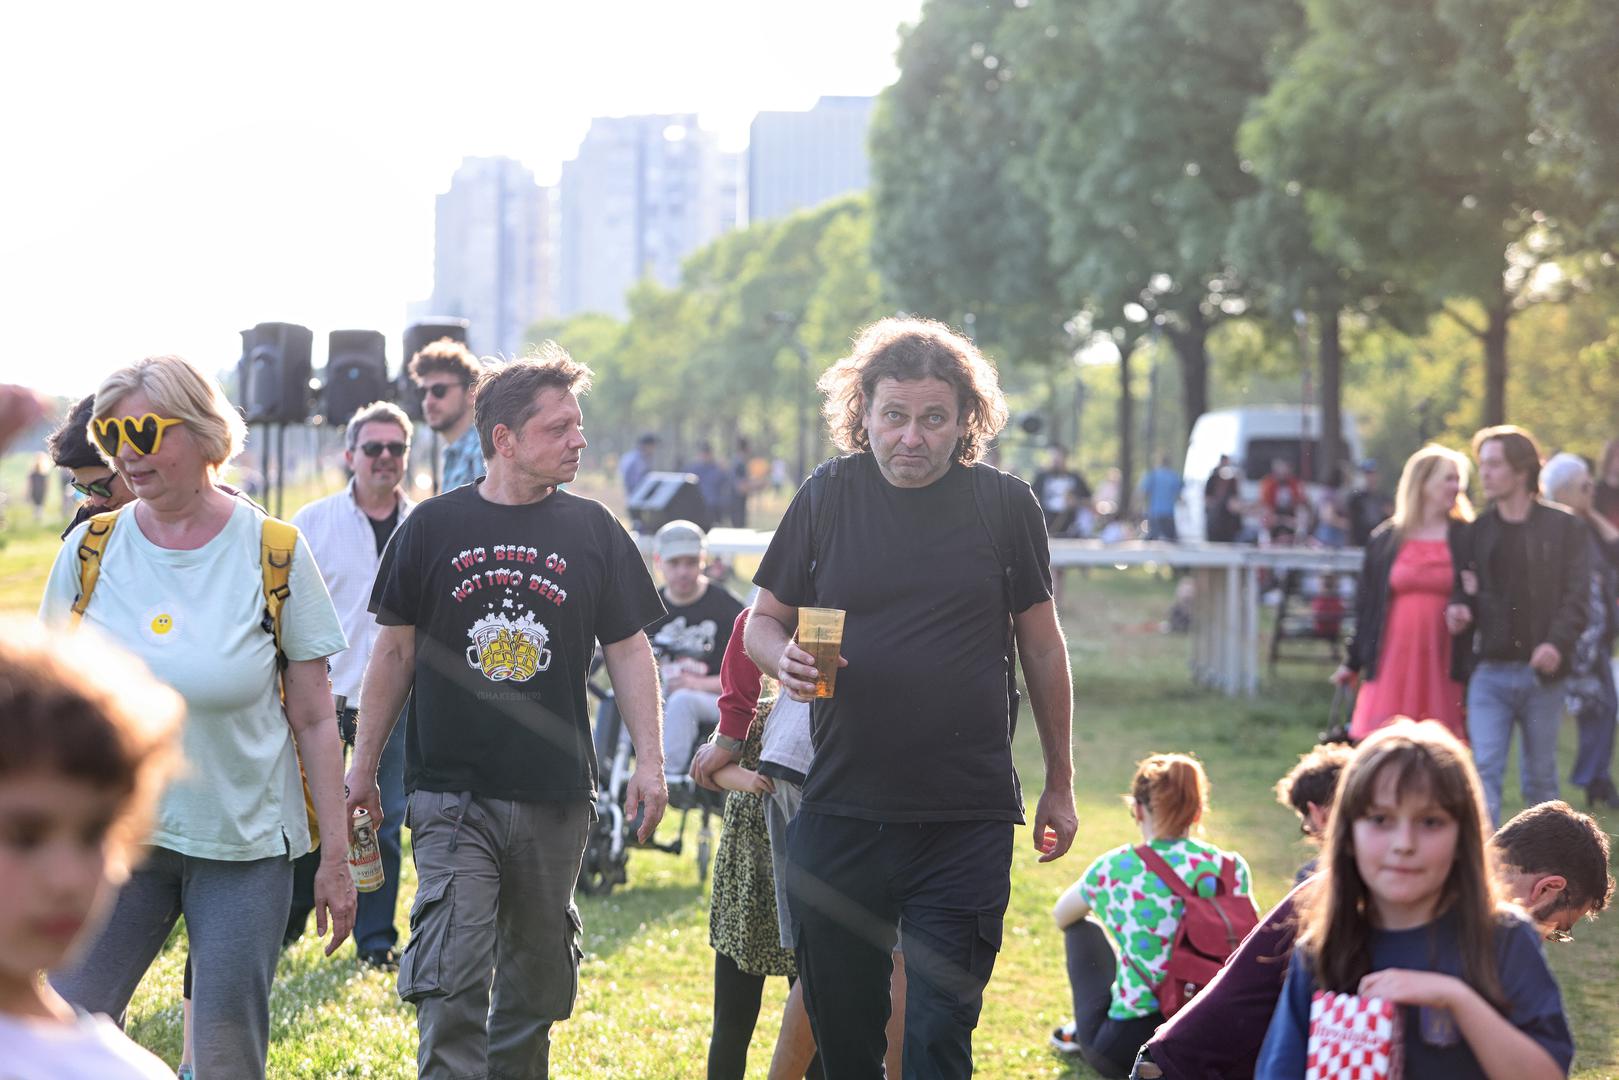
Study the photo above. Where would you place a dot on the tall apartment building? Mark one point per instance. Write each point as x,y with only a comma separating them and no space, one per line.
642,193
800,159
491,253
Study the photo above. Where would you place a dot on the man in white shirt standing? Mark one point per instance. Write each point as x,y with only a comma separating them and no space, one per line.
347,533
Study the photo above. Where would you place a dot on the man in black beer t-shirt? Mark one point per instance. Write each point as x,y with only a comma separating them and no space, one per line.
911,799
491,599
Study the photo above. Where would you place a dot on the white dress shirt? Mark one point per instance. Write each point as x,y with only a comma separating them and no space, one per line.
345,548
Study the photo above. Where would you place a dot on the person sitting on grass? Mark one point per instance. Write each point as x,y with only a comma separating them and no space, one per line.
1115,1008
1551,859
81,764
1308,789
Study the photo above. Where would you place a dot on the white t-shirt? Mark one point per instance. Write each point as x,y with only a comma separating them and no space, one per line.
90,1048
195,618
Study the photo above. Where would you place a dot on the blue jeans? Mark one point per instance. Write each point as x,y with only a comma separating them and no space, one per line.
374,917
1502,694
1594,713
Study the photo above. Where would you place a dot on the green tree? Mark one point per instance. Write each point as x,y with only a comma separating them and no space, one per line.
1414,145
955,234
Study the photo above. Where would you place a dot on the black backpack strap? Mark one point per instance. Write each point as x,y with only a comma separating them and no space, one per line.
822,490
995,513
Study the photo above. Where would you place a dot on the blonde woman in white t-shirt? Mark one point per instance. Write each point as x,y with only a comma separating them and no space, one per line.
181,585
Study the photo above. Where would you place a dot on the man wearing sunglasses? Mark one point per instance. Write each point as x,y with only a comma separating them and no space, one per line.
347,532
444,373
70,448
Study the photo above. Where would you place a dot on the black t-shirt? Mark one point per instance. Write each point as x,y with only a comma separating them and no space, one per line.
1367,510
507,602
918,727
1509,579
1220,523
381,530
699,630
1059,493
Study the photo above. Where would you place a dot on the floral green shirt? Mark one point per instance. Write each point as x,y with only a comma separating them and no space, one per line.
1142,914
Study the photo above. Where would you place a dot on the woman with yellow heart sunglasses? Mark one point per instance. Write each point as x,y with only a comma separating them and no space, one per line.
181,584
144,434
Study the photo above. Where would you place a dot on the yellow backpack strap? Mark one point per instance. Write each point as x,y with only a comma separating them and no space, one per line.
276,545
91,549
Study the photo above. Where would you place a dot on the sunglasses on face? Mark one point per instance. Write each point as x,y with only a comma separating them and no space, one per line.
144,433
438,390
375,449
95,489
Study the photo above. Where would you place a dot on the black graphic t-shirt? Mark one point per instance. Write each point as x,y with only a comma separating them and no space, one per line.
698,630
917,729
508,602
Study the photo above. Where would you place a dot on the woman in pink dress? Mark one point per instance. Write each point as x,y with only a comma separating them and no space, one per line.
1407,661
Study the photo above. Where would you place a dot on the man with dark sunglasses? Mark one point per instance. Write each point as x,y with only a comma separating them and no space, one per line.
70,448
347,534
444,373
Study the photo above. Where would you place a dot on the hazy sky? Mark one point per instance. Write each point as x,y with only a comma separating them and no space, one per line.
177,172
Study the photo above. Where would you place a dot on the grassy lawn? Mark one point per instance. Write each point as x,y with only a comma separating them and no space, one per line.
643,1010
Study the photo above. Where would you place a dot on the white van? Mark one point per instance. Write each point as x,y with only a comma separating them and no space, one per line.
1253,435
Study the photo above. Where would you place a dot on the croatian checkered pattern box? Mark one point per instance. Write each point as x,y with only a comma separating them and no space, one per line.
1354,1038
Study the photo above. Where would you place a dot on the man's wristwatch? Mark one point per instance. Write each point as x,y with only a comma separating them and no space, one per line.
728,744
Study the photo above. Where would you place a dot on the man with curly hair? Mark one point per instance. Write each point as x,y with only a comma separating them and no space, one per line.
941,565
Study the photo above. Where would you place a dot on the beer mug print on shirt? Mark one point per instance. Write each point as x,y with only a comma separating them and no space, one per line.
507,649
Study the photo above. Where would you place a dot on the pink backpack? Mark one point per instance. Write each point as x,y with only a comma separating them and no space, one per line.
1210,930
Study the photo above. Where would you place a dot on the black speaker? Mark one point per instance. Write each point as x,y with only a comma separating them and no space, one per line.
356,373
273,375
419,335
663,497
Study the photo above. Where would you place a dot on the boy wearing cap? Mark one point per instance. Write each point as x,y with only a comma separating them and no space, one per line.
689,639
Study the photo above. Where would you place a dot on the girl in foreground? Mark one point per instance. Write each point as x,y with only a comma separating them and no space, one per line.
1405,909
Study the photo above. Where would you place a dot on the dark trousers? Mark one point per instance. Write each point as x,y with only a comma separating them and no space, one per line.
852,887
1108,1045
374,928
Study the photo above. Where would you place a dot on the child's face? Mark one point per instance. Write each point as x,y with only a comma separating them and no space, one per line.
1404,849
55,860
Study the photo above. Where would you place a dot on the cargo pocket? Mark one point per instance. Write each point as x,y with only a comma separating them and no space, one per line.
421,966
554,971
986,947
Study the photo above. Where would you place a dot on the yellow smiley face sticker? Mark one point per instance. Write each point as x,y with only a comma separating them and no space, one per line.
162,624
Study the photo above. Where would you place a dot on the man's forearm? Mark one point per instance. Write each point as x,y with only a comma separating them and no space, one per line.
387,682
1051,699
764,639
635,689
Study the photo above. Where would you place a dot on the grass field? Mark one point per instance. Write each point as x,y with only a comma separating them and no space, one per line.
643,1009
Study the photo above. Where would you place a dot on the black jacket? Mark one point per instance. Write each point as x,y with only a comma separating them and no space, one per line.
1372,602
1559,580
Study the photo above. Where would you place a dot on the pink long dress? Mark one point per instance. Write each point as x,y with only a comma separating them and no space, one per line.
1413,662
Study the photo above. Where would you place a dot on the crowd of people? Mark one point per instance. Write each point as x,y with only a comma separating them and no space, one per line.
427,664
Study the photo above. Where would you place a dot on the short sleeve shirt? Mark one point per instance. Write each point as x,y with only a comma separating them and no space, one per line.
90,1048
699,630
508,603
1433,1045
917,729
196,618
1142,913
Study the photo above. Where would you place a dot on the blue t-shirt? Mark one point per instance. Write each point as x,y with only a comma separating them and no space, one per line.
1534,1004
1162,487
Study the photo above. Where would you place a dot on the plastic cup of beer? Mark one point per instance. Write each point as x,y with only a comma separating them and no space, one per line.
820,633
